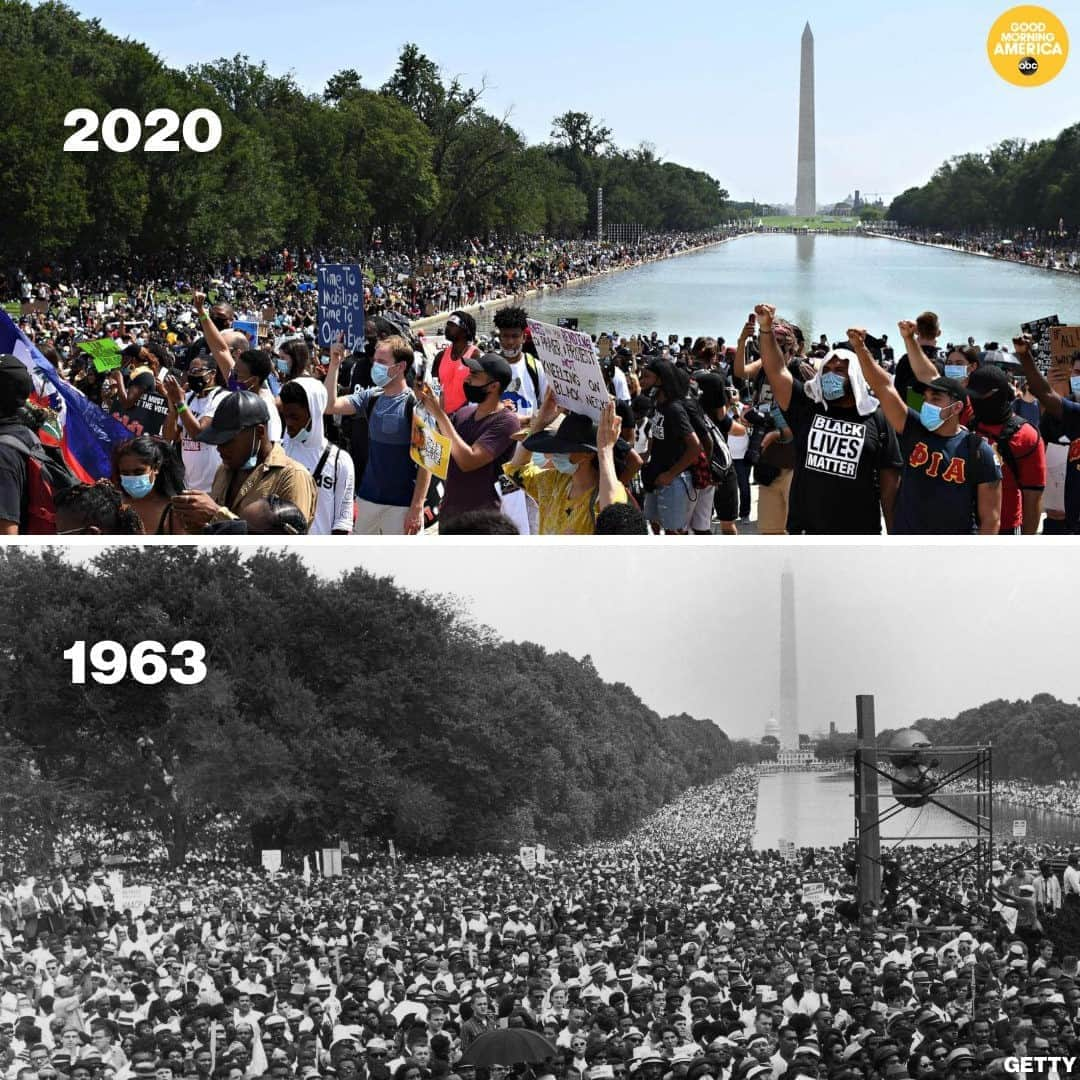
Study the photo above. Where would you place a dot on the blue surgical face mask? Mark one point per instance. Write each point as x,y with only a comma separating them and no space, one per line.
833,386
956,371
563,463
1074,385
380,374
539,460
138,487
930,415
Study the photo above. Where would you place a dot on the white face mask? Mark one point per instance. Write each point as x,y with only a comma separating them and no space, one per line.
511,355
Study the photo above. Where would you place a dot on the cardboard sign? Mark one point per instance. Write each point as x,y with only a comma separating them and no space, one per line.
268,314
1064,344
331,862
105,354
787,850
271,861
635,346
1019,829
527,855
186,907
341,305
572,368
603,346
813,892
429,450
134,898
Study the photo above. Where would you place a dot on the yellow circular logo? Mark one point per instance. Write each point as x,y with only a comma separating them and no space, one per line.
1028,46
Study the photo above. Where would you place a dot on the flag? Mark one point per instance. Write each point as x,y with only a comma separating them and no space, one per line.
84,432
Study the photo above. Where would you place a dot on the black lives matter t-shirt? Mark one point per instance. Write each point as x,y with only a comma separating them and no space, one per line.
839,456
669,430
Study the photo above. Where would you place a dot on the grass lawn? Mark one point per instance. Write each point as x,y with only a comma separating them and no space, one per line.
828,224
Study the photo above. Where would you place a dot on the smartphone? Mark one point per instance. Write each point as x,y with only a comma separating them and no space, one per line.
752,319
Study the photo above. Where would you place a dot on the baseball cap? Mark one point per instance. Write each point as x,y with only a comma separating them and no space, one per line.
988,379
952,387
15,380
492,365
239,410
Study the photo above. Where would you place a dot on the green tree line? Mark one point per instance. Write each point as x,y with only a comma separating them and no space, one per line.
1036,740
345,708
419,158
1015,185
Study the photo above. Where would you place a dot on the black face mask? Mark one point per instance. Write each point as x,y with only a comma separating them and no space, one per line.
196,383
476,394
994,409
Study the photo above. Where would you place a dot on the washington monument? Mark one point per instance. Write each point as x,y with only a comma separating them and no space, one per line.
789,676
806,192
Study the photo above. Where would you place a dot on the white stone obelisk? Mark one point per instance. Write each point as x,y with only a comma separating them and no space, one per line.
806,190
789,674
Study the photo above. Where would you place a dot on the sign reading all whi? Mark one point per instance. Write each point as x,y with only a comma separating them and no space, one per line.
569,359
1065,344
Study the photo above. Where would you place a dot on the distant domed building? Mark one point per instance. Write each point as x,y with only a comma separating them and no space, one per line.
772,729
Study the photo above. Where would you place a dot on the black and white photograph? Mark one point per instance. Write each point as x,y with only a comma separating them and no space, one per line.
322,814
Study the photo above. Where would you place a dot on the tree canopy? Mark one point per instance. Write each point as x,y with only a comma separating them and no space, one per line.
1036,740
1015,185
344,708
419,159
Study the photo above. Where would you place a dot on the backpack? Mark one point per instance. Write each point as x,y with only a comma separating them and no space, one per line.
1003,441
714,465
46,474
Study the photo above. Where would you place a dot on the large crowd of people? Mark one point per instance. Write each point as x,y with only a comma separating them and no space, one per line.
1046,249
245,425
677,953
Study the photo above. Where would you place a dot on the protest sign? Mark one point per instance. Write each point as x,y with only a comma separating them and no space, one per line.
566,323
1019,829
527,855
271,861
603,346
787,850
268,314
430,450
1064,344
1039,329
186,907
331,862
541,854
572,368
341,305
344,848
250,327
115,881
813,892
104,353
134,898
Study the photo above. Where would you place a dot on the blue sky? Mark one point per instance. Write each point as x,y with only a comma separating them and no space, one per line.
712,85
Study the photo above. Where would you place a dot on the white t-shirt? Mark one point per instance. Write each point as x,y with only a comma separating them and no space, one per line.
274,427
622,387
521,383
201,460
